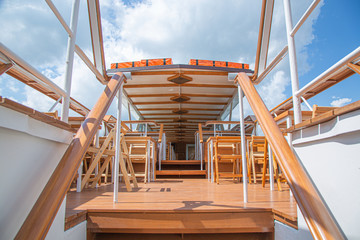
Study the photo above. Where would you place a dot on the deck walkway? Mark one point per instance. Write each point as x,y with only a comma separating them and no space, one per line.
181,194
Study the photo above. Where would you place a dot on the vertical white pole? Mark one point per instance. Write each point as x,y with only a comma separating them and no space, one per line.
117,146
230,114
70,60
78,182
201,155
153,161
97,145
289,139
164,147
161,147
149,159
271,169
292,61
208,162
212,160
243,146
196,150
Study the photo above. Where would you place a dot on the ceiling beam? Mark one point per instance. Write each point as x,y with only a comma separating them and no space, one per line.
161,85
187,109
174,94
173,102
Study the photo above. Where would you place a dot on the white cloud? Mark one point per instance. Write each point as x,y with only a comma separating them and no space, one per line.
273,90
340,102
218,30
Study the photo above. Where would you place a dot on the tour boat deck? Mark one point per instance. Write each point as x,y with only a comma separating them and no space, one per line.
181,195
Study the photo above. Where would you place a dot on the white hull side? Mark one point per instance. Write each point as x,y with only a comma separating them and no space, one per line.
330,154
29,152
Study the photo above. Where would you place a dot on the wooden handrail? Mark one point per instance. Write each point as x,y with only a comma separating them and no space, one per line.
320,221
41,216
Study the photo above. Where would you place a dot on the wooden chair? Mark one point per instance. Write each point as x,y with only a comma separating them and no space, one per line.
142,153
279,178
101,157
258,155
227,150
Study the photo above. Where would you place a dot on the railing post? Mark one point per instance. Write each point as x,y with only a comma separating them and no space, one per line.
271,169
70,61
117,145
243,146
292,61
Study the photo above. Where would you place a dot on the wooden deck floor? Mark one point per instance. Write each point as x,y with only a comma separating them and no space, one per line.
182,194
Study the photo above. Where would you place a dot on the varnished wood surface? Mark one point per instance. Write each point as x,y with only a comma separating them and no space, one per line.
321,223
182,194
240,221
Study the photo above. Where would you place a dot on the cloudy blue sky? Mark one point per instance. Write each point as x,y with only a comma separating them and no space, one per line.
203,29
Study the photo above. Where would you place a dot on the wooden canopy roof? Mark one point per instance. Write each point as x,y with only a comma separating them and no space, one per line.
180,96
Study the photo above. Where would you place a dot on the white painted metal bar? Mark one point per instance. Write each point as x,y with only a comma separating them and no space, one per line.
79,178
149,161
208,162
129,112
339,66
117,146
243,147
271,169
97,145
88,63
289,139
306,103
304,17
70,60
230,114
153,161
212,160
273,64
200,154
196,146
59,17
54,105
160,154
292,61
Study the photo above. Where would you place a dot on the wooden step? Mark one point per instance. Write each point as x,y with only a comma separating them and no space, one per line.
181,162
181,222
180,172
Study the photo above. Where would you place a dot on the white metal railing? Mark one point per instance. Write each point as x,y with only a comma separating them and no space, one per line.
333,70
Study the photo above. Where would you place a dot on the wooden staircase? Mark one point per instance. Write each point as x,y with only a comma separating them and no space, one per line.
189,224
180,169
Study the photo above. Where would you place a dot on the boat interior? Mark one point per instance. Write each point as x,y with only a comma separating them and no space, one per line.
178,165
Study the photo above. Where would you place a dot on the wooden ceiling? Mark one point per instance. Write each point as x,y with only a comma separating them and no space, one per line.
180,96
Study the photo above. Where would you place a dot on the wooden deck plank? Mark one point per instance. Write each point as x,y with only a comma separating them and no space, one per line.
180,162
183,195
180,172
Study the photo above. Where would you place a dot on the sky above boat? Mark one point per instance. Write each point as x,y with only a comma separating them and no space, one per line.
215,30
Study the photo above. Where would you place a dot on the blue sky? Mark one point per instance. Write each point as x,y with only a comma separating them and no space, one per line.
336,34
216,30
